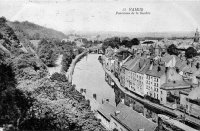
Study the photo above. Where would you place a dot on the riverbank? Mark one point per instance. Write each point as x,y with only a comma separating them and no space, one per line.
73,64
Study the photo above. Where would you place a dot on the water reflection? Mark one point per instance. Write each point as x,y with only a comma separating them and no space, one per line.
89,75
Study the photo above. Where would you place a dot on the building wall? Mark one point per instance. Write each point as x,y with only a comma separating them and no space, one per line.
193,109
183,99
114,124
122,77
163,96
133,81
140,84
126,78
153,86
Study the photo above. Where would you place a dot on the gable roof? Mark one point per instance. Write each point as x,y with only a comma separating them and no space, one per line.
132,120
155,72
106,109
145,67
138,65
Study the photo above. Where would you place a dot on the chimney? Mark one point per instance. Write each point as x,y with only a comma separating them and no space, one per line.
192,63
166,69
159,68
117,113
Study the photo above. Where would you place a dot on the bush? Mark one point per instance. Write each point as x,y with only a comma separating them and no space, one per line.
58,77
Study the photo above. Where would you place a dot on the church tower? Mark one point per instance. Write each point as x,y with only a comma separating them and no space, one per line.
196,37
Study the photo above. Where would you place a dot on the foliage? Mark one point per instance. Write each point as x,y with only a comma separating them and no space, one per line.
31,101
190,52
59,77
47,52
8,36
36,32
14,104
67,59
113,42
134,41
28,66
172,50
60,107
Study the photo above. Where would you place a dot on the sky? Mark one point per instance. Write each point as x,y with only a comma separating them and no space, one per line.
100,15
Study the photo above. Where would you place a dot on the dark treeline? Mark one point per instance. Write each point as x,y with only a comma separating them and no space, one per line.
189,52
115,42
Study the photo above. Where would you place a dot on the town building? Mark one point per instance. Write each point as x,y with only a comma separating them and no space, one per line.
103,113
126,119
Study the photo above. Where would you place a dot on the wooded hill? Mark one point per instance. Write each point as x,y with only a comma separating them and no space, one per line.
35,32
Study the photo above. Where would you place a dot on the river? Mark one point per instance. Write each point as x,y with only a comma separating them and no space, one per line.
89,75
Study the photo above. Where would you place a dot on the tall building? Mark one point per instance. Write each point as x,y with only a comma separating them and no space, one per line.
196,37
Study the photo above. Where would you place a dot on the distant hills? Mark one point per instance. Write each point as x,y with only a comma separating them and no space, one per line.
36,32
105,34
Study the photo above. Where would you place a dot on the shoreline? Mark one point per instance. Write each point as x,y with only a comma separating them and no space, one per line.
70,71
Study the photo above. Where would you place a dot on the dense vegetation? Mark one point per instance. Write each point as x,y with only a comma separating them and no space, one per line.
29,99
47,52
35,32
14,104
115,42
189,52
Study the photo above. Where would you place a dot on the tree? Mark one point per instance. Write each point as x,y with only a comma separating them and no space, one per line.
113,42
13,102
124,42
190,52
135,41
172,50
59,77
47,52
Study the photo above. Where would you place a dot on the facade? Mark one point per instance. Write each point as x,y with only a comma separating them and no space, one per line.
155,77
170,93
193,103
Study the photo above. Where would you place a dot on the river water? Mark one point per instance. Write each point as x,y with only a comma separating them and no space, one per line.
89,75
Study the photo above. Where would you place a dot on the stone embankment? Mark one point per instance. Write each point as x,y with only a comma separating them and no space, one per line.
70,71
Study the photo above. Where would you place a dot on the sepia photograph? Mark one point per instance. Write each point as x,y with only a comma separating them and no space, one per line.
99,65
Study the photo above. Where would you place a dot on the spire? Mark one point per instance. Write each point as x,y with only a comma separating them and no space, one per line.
196,37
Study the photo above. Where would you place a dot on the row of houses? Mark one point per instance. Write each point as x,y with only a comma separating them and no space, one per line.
165,79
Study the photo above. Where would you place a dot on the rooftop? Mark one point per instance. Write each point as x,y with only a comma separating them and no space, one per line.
106,109
173,85
194,94
157,71
132,120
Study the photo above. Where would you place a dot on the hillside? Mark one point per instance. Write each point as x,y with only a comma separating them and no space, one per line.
30,100
35,32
